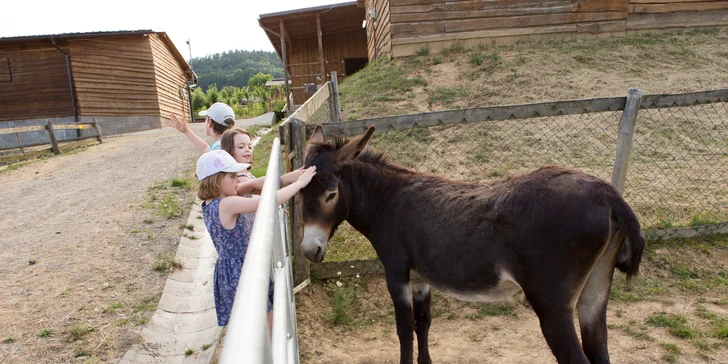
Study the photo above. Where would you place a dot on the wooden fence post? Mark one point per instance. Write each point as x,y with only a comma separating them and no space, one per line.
336,112
98,131
52,136
302,268
20,144
624,141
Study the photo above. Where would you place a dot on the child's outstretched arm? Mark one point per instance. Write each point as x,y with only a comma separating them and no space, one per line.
233,205
251,186
255,186
182,127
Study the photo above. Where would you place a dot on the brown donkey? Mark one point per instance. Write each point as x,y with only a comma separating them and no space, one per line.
554,234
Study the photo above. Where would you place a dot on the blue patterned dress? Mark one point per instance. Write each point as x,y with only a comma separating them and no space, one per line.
231,246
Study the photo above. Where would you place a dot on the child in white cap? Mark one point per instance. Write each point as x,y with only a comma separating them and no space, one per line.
229,223
219,118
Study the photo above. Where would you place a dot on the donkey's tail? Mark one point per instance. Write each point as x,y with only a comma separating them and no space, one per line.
630,256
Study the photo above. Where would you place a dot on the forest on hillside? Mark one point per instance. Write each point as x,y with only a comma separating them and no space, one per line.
235,68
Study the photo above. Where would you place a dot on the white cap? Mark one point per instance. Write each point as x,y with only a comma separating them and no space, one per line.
219,112
217,161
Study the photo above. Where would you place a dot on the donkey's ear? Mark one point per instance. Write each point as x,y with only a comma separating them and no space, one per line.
353,148
318,136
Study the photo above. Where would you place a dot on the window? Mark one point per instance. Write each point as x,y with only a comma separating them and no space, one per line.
5,70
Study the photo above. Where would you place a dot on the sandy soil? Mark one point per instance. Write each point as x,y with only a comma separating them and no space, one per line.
460,334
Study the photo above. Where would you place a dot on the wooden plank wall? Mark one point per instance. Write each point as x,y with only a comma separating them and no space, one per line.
672,14
114,76
170,77
382,45
38,86
336,48
440,23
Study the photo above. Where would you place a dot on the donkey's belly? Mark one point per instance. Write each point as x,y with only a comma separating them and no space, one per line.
507,289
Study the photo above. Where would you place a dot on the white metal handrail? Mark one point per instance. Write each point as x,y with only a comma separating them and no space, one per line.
247,338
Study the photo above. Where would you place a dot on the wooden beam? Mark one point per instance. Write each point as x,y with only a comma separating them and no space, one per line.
320,48
284,57
285,35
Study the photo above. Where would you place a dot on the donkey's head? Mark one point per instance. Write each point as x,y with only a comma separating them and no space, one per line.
324,207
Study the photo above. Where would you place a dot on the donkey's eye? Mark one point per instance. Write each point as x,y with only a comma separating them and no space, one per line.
331,196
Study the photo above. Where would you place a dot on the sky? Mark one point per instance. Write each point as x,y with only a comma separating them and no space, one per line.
211,26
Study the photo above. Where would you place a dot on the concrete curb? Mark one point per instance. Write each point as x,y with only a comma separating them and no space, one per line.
185,317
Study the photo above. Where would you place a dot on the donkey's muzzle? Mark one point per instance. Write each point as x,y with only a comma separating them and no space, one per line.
314,244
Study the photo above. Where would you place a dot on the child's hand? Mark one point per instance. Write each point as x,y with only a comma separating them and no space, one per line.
306,176
177,124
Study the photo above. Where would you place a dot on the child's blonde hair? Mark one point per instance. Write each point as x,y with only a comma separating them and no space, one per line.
211,186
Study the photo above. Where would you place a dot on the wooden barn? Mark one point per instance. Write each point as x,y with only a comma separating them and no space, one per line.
127,81
397,28
318,40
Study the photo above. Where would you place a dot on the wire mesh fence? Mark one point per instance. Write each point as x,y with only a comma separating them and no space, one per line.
678,172
677,181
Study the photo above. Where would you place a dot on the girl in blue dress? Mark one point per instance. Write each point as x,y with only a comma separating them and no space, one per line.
226,216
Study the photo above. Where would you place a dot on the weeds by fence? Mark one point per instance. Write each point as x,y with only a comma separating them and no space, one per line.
677,176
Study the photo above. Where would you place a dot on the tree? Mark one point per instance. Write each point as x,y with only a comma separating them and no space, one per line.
259,79
212,95
198,100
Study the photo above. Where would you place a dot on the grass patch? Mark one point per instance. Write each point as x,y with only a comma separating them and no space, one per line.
341,302
46,333
122,322
493,309
166,263
147,304
113,306
81,352
476,59
190,227
9,340
170,206
638,333
700,221
142,320
206,346
436,61
443,95
677,325
456,47
189,351
78,331
423,51
180,183
672,352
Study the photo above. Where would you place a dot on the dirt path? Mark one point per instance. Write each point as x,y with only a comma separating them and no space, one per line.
80,236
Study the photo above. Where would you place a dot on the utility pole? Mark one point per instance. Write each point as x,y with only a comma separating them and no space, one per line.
190,48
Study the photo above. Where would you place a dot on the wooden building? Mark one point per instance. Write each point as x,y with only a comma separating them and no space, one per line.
318,40
126,80
397,28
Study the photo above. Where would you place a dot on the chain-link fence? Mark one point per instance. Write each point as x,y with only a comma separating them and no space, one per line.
677,181
678,172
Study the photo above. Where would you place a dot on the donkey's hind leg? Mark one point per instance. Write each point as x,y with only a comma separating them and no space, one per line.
421,308
557,326
592,305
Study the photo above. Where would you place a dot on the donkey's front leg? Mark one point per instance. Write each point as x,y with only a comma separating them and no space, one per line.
421,302
399,290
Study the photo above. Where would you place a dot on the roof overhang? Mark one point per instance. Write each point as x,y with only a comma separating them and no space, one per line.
301,23
189,73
